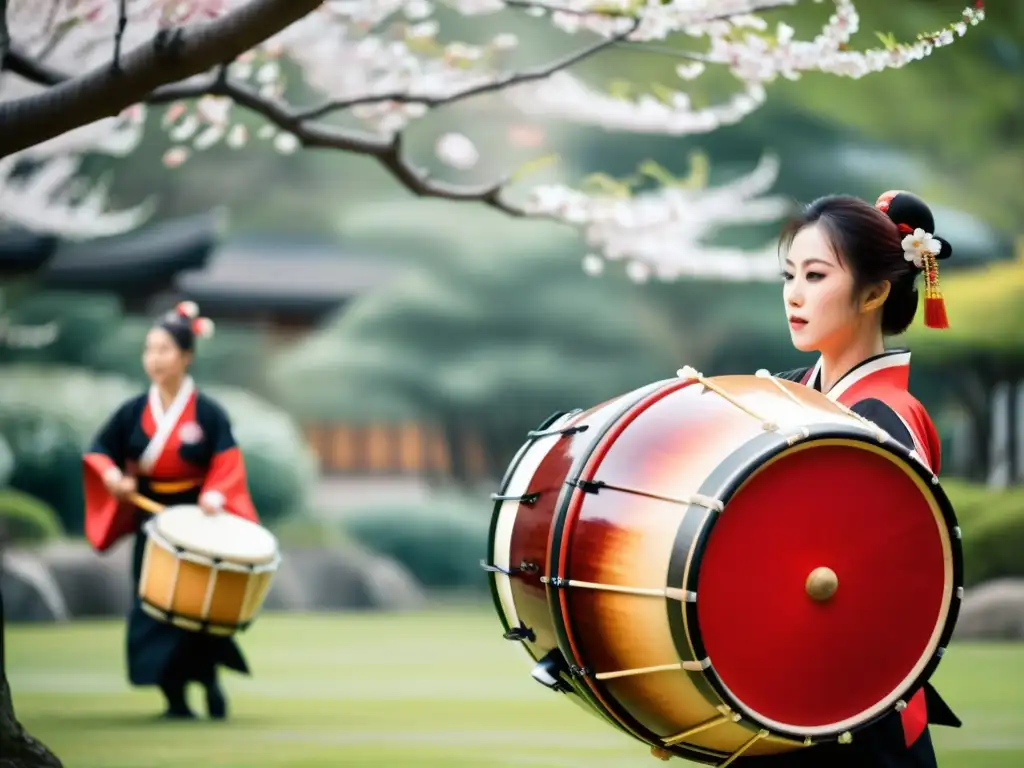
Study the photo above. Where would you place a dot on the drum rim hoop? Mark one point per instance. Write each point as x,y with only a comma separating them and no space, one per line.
269,562
734,472
154,536
492,579
169,617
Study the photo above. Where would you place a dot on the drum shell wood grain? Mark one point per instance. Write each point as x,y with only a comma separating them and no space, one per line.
180,587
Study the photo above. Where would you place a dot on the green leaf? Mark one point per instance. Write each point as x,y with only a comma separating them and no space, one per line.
888,40
602,182
663,93
537,164
620,89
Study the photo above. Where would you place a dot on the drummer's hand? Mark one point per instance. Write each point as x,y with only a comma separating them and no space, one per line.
124,487
207,507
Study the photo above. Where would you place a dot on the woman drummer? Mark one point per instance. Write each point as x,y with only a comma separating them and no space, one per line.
173,445
850,276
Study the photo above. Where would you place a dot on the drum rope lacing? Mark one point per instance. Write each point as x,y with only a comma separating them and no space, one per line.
688,372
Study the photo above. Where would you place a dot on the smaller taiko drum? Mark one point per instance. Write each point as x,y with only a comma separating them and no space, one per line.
206,573
725,567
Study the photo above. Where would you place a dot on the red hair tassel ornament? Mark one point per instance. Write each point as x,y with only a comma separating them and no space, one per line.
916,224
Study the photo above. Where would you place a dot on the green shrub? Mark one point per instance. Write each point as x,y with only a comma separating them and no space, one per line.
47,460
992,522
50,414
25,519
441,541
310,530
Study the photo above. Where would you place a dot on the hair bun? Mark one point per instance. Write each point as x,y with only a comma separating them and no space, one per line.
188,309
203,327
910,212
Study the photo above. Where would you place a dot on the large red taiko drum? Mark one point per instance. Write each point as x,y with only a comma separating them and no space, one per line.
726,566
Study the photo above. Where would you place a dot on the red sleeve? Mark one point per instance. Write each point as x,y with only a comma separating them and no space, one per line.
928,436
106,519
227,482
920,424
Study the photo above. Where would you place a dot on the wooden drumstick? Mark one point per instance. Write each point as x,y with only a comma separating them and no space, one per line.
140,501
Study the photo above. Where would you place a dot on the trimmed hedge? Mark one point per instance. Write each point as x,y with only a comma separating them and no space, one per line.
441,542
992,523
27,520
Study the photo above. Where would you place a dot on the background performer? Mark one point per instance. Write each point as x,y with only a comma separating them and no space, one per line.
850,279
173,445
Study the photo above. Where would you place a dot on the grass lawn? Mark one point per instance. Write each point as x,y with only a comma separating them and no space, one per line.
440,688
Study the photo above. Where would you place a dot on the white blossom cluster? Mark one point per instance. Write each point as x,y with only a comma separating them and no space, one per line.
379,65
744,43
662,232
382,62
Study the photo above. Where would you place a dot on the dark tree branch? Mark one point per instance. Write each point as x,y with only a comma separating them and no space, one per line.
171,56
122,25
5,34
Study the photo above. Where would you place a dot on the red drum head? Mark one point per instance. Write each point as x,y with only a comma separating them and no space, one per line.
823,665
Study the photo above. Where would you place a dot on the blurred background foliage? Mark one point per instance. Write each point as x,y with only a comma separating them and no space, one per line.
490,324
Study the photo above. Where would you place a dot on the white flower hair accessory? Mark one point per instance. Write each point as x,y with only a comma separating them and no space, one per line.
919,245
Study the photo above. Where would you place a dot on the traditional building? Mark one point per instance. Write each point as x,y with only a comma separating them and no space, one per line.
24,253
284,286
138,265
416,448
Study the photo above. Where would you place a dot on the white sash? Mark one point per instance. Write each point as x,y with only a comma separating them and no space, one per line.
166,421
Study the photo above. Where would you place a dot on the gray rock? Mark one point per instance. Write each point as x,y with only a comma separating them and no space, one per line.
93,585
30,592
993,611
344,577
68,579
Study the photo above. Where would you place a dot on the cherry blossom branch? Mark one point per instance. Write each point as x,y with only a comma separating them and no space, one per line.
388,84
302,124
388,152
172,55
498,83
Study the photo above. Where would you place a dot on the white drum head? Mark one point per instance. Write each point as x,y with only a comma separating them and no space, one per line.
223,535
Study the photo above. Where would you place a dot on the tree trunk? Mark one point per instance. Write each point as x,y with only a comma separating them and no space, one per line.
17,748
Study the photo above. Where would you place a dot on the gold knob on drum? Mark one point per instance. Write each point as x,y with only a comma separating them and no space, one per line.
821,584
660,753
